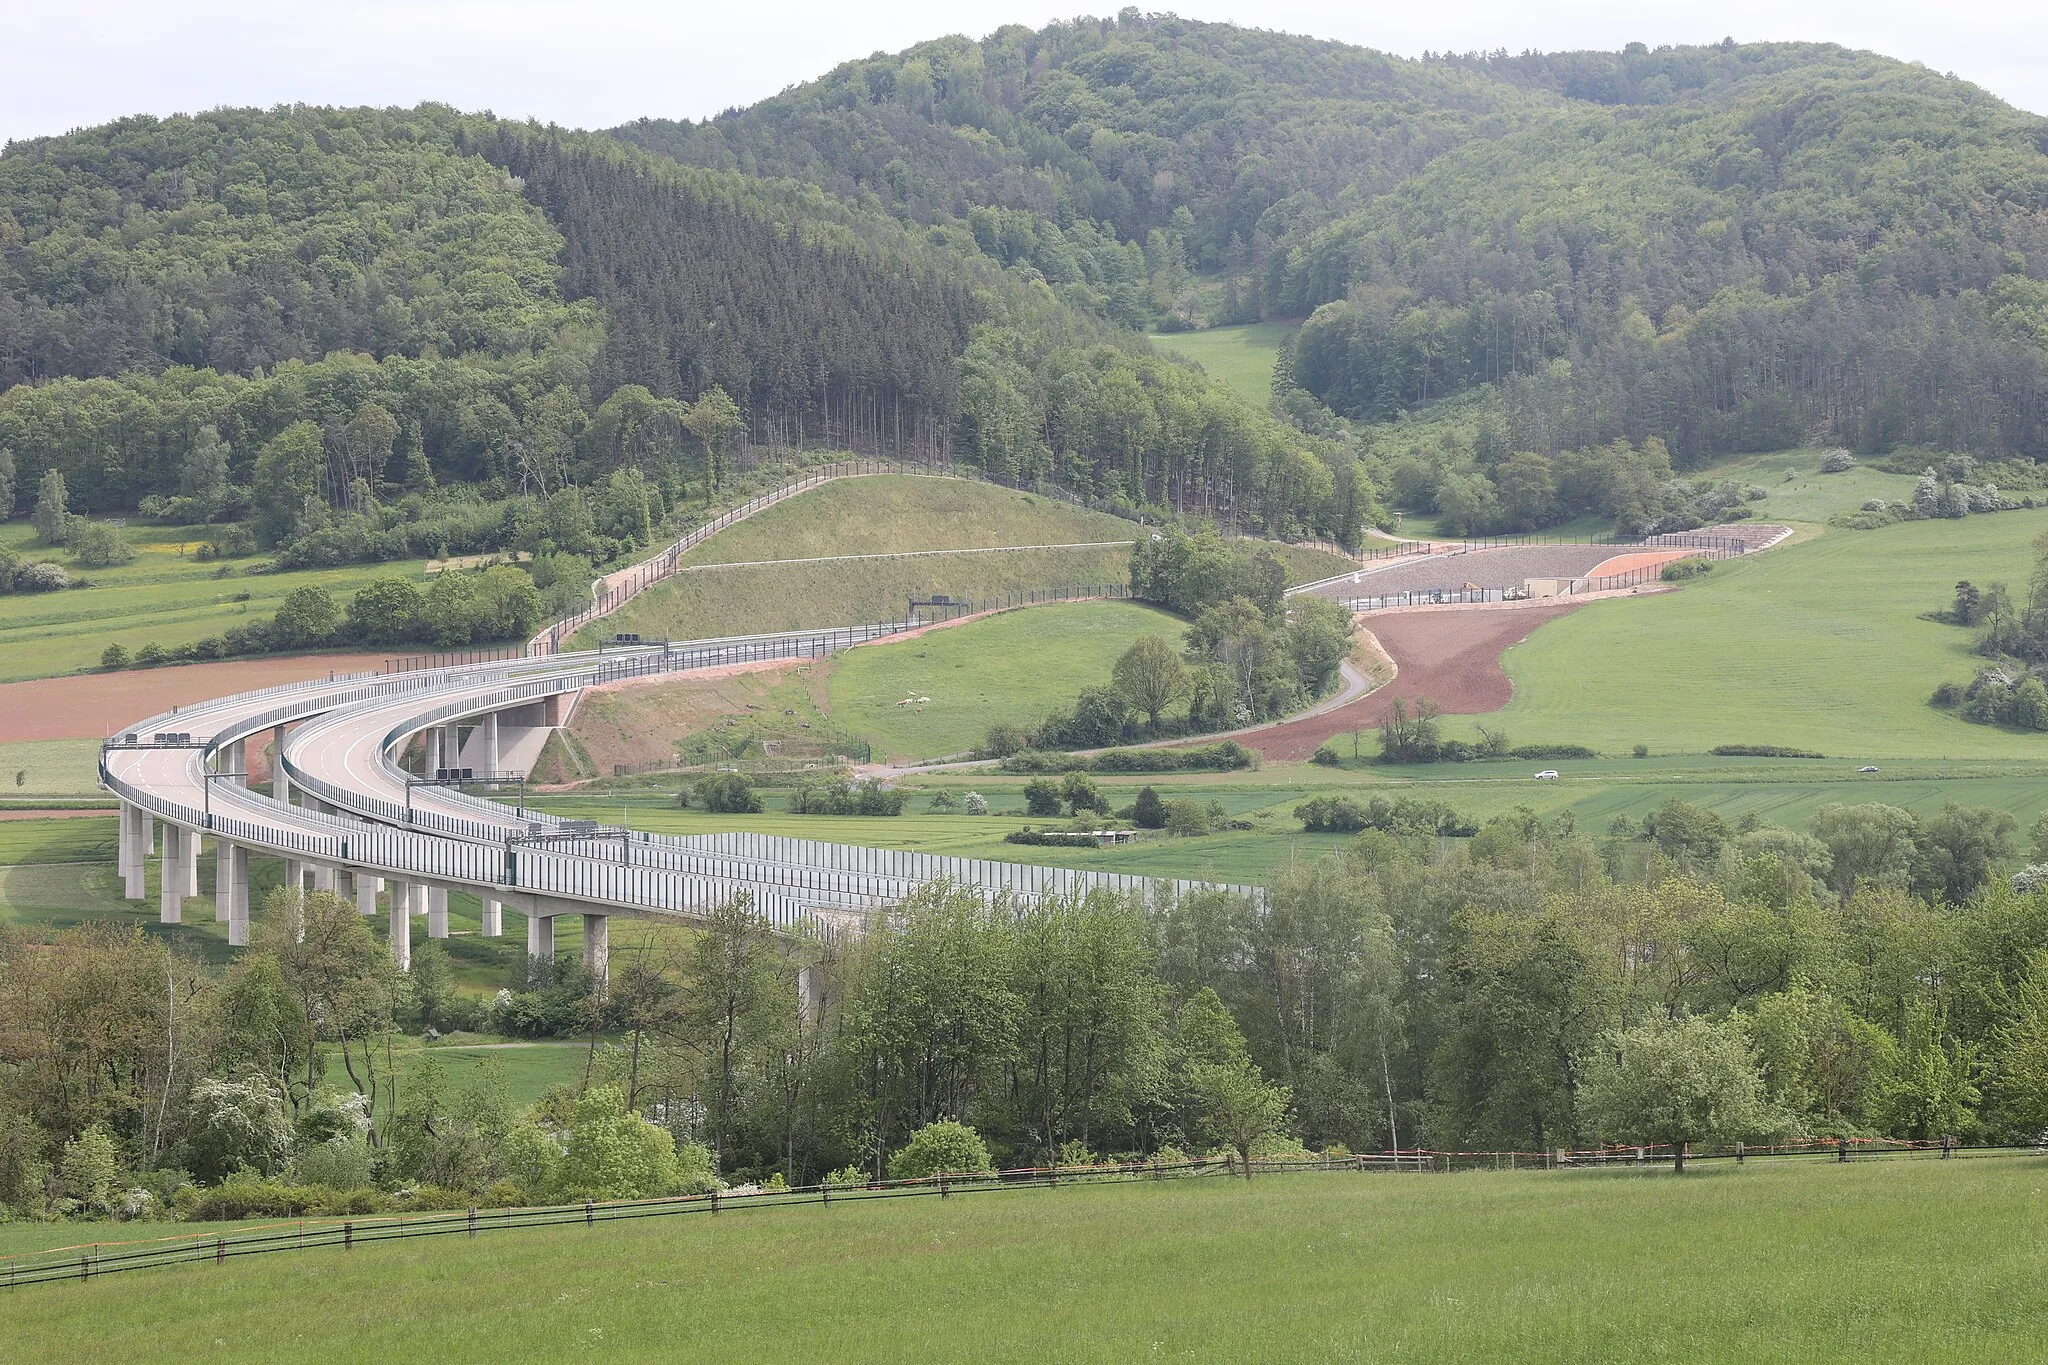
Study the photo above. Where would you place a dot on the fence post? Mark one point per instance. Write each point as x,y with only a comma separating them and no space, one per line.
1841,1149
588,1214
348,1236
472,1222
220,1251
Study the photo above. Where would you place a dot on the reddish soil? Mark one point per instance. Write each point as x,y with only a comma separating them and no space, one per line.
1451,656
1640,559
95,705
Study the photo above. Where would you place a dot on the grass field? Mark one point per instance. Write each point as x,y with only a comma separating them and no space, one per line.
771,597
1900,1260
881,514
1818,645
165,596
1241,357
49,767
1013,667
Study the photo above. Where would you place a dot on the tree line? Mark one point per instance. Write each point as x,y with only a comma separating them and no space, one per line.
1518,989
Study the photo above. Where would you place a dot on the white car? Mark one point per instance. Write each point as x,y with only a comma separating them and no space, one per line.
1547,775
1867,768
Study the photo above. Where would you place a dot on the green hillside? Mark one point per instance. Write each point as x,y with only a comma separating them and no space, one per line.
1818,645
1240,356
1817,1262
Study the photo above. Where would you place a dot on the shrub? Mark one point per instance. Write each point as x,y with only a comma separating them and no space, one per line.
1042,797
943,802
1763,751
1541,752
839,798
1188,817
944,1147
42,576
1837,462
113,657
727,794
99,545
1678,570
150,655
1949,694
1148,811
1003,740
1326,755
1641,751
847,1178
976,804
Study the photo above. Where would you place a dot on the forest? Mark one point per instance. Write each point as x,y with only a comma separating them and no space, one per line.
1871,977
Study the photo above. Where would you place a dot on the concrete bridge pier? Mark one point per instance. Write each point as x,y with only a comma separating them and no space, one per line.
188,861
323,877
367,888
597,945
231,890
401,925
540,938
135,842
810,994
280,781
434,762
171,877
437,912
494,917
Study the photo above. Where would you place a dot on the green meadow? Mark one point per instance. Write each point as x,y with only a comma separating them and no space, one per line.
1918,1260
1241,356
1010,668
1820,644
165,596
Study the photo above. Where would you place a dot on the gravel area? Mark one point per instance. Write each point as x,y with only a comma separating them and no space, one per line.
1507,567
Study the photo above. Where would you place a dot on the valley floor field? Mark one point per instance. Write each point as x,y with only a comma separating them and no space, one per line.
1893,1259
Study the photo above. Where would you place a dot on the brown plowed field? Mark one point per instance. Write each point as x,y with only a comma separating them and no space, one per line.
94,705
1450,656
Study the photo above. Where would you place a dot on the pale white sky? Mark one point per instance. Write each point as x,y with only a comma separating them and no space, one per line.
596,63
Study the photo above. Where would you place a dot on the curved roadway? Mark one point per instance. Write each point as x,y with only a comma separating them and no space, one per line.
362,820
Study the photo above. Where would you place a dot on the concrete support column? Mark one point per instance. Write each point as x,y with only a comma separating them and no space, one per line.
367,888
188,862
223,881
434,759
171,877
810,994
540,938
597,945
231,867
490,755
401,925
294,875
280,783
135,841
451,745
323,877
494,917
437,912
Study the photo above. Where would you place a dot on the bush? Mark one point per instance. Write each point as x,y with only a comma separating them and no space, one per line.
42,576
1949,694
113,657
1678,570
840,798
1641,751
1763,751
1042,797
1003,740
944,1147
150,655
1837,462
1227,756
847,1178
99,545
1541,752
727,794
1409,815
976,804
1325,755
1148,811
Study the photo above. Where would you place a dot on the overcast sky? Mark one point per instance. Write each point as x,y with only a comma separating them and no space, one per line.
597,63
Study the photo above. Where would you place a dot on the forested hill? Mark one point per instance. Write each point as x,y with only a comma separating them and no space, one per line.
418,297
1727,247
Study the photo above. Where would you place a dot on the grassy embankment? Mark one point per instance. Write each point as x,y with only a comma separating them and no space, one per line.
1921,1260
165,596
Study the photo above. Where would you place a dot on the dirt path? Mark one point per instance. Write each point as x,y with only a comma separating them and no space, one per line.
1450,655
95,705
